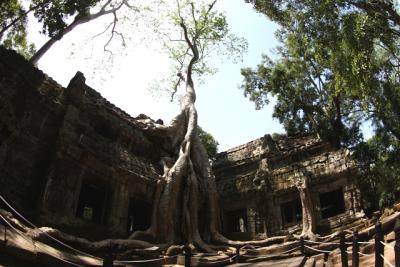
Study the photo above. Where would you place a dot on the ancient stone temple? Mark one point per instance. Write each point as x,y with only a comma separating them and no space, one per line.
72,160
69,158
258,196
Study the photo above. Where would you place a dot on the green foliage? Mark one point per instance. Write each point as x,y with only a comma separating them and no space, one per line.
15,37
207,29
338,65
209,142
379,177
54,14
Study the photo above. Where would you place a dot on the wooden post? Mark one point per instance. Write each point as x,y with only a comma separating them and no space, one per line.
302,249
397,245
326,256
108,260
188,255
355,261
378,245
237,254
343,250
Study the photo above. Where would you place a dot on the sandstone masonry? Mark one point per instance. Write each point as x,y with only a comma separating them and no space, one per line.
72,160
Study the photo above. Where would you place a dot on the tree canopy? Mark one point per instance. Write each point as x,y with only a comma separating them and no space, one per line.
337,66
13,13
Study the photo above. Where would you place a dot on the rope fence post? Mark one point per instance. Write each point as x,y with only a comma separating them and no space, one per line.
108,260
343,250
397,244
326,257
302,245
188,254
378,245
237,254
355,257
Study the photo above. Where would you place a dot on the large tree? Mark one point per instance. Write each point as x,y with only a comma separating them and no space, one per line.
337,65
185,208
60,17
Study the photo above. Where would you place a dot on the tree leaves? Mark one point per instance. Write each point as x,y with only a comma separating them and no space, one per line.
12,13
209,142
334,70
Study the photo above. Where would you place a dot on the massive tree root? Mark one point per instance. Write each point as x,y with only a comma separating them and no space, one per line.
185,208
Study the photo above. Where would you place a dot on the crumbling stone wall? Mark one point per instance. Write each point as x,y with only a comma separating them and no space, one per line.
60,147
260,177
31,112
55,140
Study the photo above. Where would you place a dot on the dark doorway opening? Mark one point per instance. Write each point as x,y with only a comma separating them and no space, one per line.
332,203
291,212
139,215
236,221
91,202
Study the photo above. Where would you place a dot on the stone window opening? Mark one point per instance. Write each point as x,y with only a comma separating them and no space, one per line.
139,215
91,204
291,213
236,221
332,203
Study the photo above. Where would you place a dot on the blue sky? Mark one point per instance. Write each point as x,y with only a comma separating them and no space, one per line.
223,110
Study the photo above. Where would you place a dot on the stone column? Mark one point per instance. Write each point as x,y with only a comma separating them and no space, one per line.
251,227
119,209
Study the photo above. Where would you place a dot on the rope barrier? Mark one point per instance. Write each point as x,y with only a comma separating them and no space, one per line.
222,261
140,261
53,238
361,242
362,254
317,242
18,231
149,260
245,246
318,250
366,242
206,254
387,261
387,245
291,250
37,248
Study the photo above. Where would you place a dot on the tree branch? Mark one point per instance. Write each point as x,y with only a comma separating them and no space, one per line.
12,23
36,57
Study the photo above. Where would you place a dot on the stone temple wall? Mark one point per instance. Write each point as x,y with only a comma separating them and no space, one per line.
256,182
71,159
68,157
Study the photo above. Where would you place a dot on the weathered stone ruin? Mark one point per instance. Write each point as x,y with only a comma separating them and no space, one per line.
72,160
69,158
258,196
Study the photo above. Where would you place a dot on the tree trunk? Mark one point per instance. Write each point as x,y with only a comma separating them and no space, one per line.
309,222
